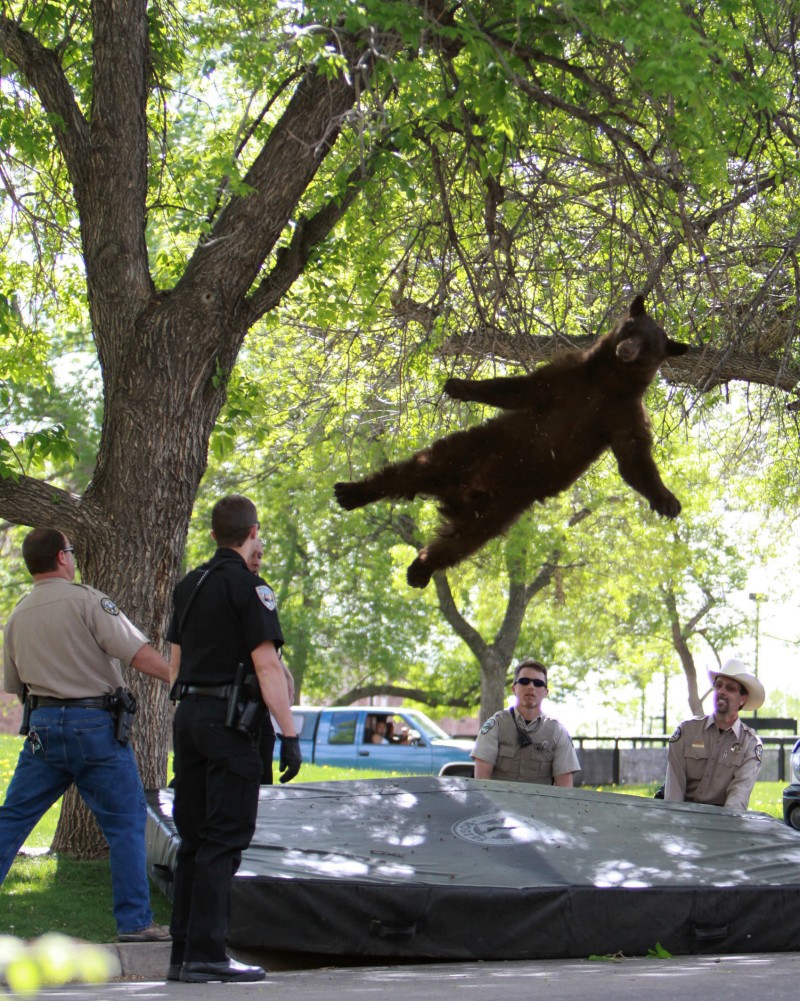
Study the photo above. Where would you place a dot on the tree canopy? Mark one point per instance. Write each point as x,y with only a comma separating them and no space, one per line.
382,188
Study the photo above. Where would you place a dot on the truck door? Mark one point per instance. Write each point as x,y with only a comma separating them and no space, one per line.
336,739
395,745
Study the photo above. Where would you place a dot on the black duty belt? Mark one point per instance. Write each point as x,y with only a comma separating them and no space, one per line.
105,702
212,691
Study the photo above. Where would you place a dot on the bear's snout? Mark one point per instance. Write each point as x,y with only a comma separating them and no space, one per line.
629,349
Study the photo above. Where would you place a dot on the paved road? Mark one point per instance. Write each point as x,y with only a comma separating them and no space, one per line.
771,977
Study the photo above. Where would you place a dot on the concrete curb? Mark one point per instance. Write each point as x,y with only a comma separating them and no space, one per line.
142,960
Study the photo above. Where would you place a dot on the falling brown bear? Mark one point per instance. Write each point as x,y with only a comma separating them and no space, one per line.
560,419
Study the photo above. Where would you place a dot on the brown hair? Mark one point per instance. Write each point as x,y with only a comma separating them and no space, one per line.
530,662
232,518
41,548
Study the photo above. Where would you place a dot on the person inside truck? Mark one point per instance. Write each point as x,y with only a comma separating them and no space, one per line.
380,735
369,729
400,735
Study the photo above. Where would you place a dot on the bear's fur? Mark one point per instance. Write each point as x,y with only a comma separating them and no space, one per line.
560,419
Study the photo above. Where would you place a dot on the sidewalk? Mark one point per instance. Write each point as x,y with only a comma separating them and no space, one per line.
691,978
140,961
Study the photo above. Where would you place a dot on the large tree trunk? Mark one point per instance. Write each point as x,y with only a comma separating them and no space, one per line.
78,833
165,355
494,688
148,471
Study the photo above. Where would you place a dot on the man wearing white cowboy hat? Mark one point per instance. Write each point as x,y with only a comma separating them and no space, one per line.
715,759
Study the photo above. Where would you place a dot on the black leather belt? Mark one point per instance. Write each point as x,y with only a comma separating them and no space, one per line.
45,702
212,691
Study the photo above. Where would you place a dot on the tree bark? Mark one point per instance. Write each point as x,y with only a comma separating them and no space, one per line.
165,355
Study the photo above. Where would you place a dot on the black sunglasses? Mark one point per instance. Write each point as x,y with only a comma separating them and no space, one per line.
536,682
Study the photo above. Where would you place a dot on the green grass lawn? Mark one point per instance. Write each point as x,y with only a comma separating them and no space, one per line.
44,892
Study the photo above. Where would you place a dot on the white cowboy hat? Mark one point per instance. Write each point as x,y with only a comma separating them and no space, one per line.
735,669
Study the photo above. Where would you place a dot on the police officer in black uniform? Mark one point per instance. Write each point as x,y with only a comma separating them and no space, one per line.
224,628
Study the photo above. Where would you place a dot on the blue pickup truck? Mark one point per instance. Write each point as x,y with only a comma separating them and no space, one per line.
377,737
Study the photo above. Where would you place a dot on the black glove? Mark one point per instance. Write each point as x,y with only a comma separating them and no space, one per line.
291,758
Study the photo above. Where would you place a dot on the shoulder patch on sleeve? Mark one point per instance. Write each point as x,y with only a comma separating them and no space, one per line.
676,735
759,752
108,606
487,726
267,597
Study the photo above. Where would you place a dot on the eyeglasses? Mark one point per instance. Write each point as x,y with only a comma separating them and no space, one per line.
68,549
536,682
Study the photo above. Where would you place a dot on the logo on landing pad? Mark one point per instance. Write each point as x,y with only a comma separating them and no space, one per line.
504,830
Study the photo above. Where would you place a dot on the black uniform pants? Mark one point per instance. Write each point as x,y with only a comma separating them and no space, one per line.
217,772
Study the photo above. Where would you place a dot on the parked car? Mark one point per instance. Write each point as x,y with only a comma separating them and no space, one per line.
376,737
791,794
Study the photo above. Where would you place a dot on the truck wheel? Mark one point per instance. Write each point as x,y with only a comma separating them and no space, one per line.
463,769
794,816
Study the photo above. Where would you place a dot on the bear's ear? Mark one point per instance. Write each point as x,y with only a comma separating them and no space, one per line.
637,306
675,348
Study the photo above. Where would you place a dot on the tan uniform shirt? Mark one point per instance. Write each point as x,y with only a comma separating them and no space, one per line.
550,752
705,765
63,640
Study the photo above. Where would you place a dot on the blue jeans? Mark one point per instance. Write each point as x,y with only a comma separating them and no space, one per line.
78,745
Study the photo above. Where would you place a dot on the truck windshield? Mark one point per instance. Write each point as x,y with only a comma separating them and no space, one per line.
419,721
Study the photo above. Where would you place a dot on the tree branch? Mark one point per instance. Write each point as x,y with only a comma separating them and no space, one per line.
691,626
27,501
250,225
428,698
683,650
704,368
463,629
405,527
308,234
42,69
107,160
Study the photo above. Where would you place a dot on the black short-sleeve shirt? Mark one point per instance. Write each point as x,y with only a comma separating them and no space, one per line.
230,614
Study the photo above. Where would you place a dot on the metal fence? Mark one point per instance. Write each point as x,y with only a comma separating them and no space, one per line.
639,760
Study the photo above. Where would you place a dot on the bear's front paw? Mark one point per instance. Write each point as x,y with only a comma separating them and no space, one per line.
667,505
418,574
349,495
455,388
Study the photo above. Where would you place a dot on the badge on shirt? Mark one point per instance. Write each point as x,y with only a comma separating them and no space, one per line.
676,735
108,606
759,752
736,748
267,597
487,726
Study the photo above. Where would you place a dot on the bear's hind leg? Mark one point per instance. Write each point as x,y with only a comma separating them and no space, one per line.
457,539
401,480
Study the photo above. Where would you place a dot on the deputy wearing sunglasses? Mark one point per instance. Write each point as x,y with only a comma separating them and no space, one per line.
522,744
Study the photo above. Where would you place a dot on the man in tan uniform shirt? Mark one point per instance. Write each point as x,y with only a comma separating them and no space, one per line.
522,744
715,759
63,643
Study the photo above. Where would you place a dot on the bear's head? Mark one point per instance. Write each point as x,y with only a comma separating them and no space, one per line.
640,343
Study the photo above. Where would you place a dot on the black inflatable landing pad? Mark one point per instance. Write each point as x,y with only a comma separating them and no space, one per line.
453,868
